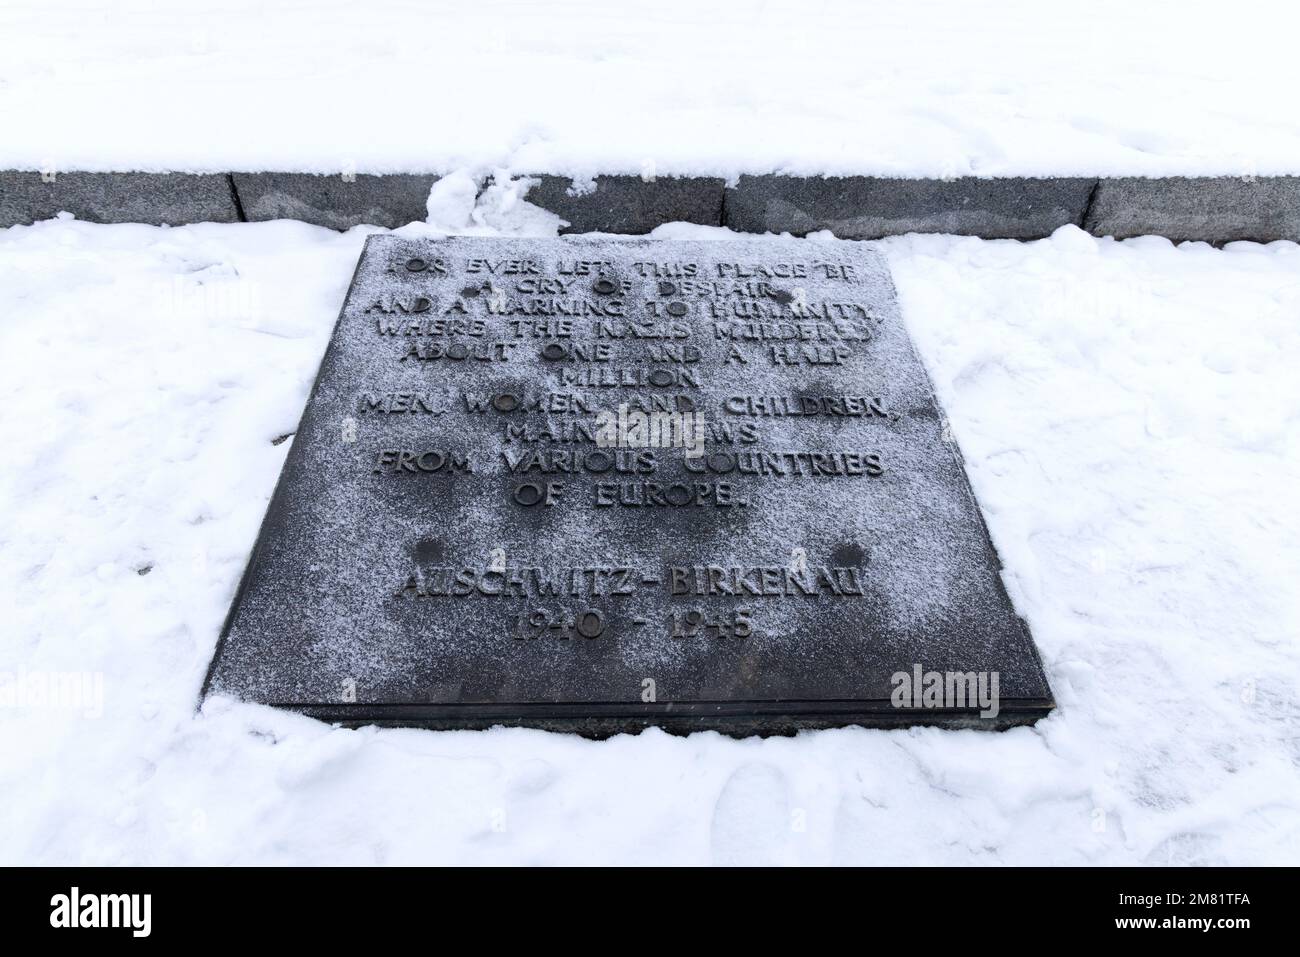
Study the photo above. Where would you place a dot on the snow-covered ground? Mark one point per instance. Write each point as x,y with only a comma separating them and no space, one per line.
901,87
1129,415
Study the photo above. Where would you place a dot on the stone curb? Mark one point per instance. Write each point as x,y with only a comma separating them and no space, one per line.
1219,209
868,207
338,202
1213,209
156,198
630,204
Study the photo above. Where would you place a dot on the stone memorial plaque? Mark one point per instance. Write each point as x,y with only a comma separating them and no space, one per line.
597,485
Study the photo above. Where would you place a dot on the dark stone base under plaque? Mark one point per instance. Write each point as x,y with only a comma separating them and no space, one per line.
601,485
735,719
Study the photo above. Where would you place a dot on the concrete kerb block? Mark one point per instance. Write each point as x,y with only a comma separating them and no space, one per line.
870,207
171,199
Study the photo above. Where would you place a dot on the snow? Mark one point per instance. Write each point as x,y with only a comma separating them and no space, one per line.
891,87
1128,412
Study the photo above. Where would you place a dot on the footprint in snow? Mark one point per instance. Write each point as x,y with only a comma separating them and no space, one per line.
752,821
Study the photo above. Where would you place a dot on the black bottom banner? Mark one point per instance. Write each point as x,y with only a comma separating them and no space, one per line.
335,907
